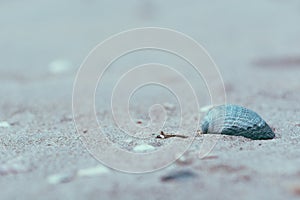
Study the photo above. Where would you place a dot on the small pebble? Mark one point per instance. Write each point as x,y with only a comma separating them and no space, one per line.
60,178
143,148
67,177
178,176
4,124
85,131
206,108
94,171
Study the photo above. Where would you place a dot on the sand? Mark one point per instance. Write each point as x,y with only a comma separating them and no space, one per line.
255,46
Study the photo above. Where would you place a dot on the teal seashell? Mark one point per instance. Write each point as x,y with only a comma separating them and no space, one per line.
236,120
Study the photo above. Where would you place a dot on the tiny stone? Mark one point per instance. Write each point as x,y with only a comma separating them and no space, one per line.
4,124
94,171
60,178
206,108
143,148
178,176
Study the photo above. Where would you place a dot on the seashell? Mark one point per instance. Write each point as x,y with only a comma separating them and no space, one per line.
236,120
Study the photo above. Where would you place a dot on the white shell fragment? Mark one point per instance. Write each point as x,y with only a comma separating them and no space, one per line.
93,171
67,177
4,124
60,178
206,108
143,148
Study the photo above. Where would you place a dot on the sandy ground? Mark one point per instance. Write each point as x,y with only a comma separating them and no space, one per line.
255,45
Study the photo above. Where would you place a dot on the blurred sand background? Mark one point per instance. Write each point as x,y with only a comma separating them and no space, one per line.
256,45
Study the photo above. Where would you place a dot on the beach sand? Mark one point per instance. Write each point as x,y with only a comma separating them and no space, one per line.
255,45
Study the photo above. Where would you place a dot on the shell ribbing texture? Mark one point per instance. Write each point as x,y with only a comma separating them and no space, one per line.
236,120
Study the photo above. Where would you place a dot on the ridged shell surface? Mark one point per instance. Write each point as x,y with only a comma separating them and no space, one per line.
236,120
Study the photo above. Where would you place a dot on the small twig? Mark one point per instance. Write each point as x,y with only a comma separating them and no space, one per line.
163,135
